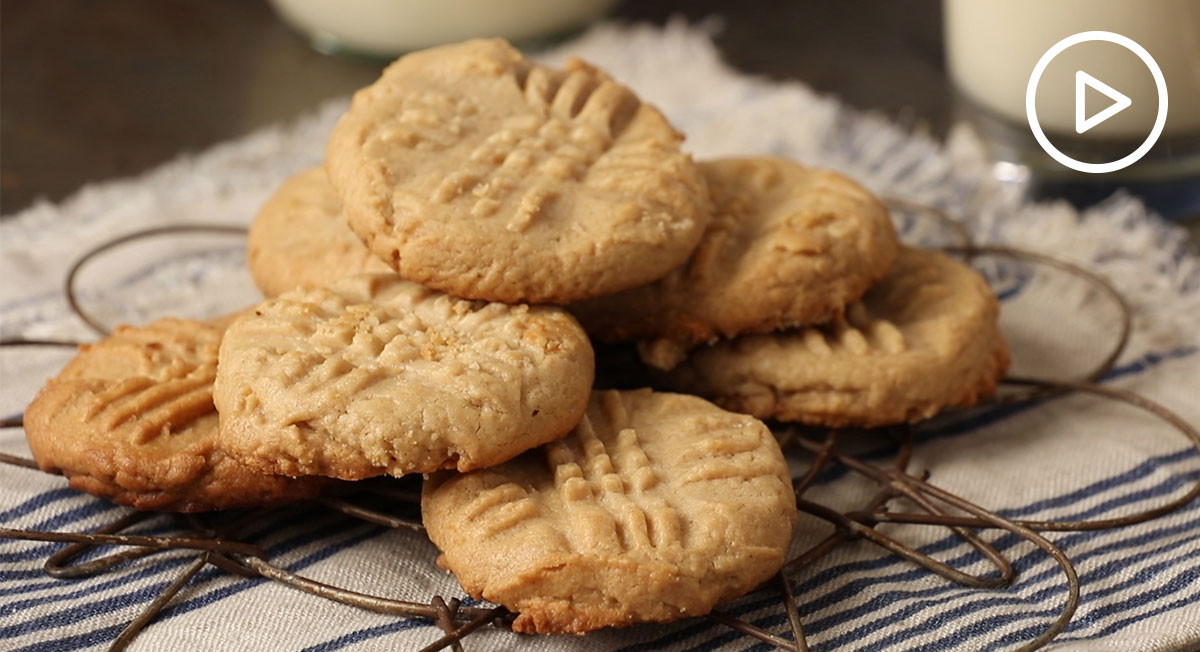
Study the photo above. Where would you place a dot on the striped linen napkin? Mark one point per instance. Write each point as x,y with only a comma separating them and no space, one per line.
1072,458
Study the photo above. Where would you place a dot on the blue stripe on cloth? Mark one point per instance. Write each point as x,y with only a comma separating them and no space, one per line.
106,634
71,516
37,502
964,603
1053,575
724,637
293,542
377,631
1136,473
66,618
1002,543
27,587
367,634
976,632
88,584
1165,487
1149,361
922,600
854,587
74,641
994,415
1012,292
954,596
75,613
1172,588
304,562
1139,365
88,587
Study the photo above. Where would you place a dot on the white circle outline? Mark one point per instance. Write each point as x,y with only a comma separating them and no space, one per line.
1036,77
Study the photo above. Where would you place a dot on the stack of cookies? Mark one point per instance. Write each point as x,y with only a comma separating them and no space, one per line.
435,290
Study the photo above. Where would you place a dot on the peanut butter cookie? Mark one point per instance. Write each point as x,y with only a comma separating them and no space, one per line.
923,339
131,418
300,238
474,171
655,508
788,245
374,374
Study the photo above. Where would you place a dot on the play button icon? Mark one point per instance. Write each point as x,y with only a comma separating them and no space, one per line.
1083,81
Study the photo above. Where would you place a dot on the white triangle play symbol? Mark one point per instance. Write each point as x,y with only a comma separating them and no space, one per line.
1082,81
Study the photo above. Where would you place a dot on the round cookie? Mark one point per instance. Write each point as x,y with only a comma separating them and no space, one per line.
131,418
922,339
474,171
374,374
300,239
656,507
787,246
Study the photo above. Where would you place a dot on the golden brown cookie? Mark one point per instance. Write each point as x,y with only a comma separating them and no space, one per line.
923,339
131,418
374,374
300,238
788,245
479,173
655,508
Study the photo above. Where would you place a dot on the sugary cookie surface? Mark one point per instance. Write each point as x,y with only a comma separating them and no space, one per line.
656,507
376,375
479,173
788,245
131,418
300,238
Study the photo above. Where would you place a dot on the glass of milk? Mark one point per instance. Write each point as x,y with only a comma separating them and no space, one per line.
387,28
992,47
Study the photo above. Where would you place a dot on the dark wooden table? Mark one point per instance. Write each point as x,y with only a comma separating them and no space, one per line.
95,90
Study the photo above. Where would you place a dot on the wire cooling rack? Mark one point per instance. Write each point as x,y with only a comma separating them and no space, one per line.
214,539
